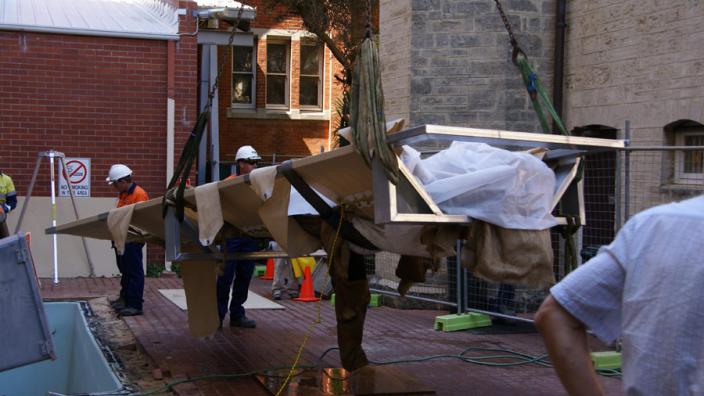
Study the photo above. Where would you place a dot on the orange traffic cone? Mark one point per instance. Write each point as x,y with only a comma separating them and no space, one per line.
269,274
307,294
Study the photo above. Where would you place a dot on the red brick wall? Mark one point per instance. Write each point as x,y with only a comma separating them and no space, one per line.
282,137
103,98
277,19
96,97
186,78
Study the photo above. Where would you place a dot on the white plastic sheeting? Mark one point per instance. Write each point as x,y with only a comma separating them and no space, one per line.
510,189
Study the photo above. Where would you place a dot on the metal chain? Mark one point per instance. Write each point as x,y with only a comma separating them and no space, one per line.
228,49
512,38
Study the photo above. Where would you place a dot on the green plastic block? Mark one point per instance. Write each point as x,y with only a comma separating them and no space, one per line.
375,300
465,321
607,360
259,270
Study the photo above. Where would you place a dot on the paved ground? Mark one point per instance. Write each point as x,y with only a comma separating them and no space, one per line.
390,334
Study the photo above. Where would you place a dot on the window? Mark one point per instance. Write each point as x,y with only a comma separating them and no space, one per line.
243,76
311,70
689,164
277,61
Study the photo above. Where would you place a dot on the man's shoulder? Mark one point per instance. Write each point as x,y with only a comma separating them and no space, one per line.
693,208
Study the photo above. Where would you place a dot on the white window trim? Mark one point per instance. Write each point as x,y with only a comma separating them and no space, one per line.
321,74
287,95
253,98
680,176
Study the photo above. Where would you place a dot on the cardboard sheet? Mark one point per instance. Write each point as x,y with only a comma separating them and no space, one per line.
340,175
199,282
290,236
119,220
210,219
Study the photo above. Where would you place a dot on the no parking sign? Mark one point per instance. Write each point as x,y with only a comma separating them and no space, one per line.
78,174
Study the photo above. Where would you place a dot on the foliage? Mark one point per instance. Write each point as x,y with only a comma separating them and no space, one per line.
154,270
342,109
176,268
340,24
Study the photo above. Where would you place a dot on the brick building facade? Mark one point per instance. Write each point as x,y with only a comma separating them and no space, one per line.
272,118
97,95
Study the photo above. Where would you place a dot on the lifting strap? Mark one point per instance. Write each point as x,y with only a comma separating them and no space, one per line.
327,214
538,96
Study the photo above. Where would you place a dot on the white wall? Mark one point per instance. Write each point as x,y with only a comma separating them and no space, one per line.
71,255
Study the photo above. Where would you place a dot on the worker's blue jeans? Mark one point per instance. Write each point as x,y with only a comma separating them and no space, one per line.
241,271
132,269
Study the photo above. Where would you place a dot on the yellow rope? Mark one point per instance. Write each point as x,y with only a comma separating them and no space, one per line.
317,320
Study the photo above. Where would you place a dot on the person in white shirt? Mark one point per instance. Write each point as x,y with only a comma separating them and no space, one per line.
646,288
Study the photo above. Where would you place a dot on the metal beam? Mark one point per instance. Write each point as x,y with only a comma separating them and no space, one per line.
498,137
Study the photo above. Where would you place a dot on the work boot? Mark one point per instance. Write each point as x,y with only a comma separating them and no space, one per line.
118,305
243,322
276,294
129,311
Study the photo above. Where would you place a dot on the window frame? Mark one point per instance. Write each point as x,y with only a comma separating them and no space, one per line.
680,176
253,97
320,75
286,41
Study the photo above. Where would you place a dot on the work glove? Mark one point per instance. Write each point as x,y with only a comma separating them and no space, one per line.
6,208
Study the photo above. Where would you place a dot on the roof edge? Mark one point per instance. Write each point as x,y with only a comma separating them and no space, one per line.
88,32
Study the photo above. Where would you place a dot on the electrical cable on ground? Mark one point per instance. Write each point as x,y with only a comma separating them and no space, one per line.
488,360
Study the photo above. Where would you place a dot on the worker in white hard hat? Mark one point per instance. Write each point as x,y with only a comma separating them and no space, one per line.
130,262
237,274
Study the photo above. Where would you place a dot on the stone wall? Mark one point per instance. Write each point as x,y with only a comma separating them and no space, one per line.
395,49
641,61
460,61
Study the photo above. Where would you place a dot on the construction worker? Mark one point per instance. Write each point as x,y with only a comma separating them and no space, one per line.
130,261
241,271
8,201
645,289
284,278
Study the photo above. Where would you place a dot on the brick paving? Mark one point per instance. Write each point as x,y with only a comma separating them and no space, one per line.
390,334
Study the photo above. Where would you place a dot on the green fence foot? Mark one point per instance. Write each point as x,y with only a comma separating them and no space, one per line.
465,321
607,360
259,270
375,300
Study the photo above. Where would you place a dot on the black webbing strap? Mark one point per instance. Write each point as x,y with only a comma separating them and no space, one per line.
328,214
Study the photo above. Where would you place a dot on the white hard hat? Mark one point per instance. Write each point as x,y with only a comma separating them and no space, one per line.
247,153
117,172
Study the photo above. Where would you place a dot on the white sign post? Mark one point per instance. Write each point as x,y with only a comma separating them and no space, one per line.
78,174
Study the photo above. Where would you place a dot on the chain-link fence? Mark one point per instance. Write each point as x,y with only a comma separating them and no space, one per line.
658,175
